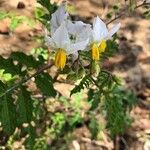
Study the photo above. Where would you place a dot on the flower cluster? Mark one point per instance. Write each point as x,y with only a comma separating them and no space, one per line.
68,37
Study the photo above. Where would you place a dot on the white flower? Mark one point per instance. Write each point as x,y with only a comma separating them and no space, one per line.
80,34
100,34
100,30
63,45
78,28
58,17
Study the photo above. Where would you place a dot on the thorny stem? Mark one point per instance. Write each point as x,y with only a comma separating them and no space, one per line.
25,79
124,14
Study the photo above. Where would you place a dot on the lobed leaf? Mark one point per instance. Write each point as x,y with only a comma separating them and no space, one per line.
25,108
3,15
45,83
8,66
7,112
46,3
94,99
117,102
85,82
94,127
24,59
15,22
25,105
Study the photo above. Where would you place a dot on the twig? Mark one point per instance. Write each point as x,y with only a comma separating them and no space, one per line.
107,145
116,143
143,4
123,14
125,143
56,76
25,79
117,17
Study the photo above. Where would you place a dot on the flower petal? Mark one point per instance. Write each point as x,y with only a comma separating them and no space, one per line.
84,34
113,30
78,46
49,42
99,29
74,56
76,27
61,37
58,17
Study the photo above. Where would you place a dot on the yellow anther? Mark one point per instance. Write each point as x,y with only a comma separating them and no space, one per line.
60,58
102,46
95,52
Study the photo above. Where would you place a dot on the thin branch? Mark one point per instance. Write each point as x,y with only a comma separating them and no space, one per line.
117,17
143,4
124,14
125,143
104,144
25,79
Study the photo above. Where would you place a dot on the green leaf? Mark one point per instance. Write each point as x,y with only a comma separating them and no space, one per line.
147,14
7,112
109,15
116,79
15,22
81,72
94,127
3,15
117,105
25,105
66,70
8,66
85,82
45,83
40,53
111,49
95,68
75,120
95,100
5,76
2,87
90,94
46,3
24,59
72,76
32,135
39,12
115,7
132,5
46,17
105,81
25,108
30,22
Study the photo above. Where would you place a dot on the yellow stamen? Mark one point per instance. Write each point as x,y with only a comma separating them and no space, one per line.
95,52
102,46
60,58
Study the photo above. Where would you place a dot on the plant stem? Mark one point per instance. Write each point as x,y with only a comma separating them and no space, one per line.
25,79
124,14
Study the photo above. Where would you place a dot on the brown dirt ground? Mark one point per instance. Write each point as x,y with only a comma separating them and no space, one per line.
132,63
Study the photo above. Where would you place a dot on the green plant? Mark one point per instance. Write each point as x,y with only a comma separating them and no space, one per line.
16,20
22,108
